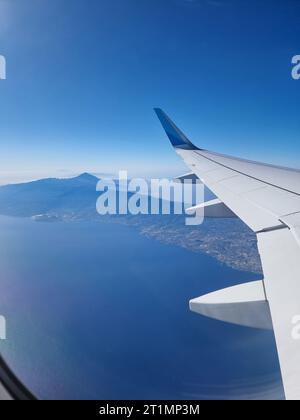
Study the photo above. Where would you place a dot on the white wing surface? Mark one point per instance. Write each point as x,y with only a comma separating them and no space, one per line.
267,199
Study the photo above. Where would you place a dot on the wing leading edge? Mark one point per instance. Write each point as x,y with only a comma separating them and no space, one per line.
267,199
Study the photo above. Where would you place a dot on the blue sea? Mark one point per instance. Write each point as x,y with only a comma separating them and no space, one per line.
98,311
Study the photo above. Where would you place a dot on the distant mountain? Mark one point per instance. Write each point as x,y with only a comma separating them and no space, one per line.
49,196
66,198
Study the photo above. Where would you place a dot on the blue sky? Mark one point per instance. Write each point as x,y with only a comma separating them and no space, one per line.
84,76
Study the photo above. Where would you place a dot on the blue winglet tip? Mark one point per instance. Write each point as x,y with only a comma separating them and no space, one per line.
176,136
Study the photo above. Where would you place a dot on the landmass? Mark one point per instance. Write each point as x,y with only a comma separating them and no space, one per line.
230,241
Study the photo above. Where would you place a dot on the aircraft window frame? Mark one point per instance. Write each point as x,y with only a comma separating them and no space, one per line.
12,385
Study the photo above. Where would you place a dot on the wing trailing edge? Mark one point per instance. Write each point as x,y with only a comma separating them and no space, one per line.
212,209
190,176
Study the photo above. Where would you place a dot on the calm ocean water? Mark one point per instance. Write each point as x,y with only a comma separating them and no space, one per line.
97,311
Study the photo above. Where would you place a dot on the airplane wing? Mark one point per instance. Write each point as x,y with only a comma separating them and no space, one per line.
267,199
